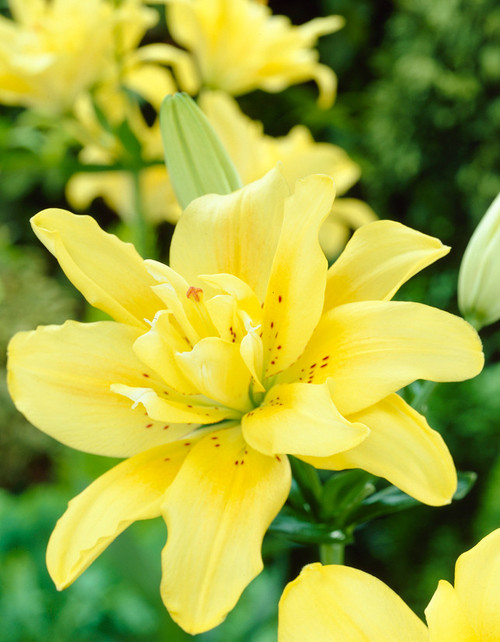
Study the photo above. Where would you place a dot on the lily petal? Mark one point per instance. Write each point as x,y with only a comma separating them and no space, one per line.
218,509
60,378
344,604
157,349
237,233
447,619
300,419
132,490
402,448
477,583
217,369
378,259
109,273
373,348
295,293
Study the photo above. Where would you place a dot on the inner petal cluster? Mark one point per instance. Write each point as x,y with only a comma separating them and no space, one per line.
204,350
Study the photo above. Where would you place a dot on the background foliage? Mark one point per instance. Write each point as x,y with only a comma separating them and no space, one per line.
418,108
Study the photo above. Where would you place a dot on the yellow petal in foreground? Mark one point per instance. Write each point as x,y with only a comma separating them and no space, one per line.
378,259
237,234
475,597
342,604
378,347
216,368
300,419
402,448
109,273
60,378
447,619
132,490
217,511
298,274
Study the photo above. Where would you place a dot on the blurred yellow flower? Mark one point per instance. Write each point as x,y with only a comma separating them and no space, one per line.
45,58
247,349
239,46
323,603
102,146
478,290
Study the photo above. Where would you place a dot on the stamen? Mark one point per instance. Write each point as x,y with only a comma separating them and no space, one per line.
195,294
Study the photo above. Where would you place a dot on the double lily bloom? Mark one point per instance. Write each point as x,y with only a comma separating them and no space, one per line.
246,350
323,604
239,46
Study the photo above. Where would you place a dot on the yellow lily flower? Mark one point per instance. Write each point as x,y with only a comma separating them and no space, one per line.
323,603
239,46
45,59
246,349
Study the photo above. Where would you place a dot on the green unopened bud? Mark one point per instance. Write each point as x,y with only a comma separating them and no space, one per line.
196,159
479,277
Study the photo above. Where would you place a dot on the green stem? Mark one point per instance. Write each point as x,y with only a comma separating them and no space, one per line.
332,553
140,231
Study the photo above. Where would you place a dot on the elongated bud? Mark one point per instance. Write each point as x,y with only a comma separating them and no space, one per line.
479,277
197,161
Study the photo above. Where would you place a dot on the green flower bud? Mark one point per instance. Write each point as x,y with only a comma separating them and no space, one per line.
196,160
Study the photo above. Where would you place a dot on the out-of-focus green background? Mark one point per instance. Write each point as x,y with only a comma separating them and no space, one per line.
418,108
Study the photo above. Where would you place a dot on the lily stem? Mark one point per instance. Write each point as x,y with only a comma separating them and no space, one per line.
140,231
332,553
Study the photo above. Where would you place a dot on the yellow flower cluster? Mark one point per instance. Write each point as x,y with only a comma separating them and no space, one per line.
234,46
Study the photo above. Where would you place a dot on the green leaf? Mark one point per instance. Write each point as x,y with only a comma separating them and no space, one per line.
298,529
392,500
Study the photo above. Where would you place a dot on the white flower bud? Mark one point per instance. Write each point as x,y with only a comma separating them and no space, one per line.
479,277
